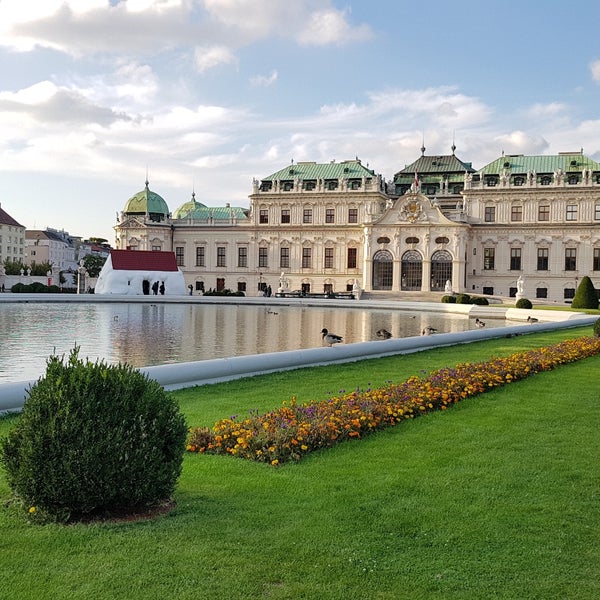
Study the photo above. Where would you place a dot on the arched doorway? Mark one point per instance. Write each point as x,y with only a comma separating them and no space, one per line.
383,267
411,276
441,270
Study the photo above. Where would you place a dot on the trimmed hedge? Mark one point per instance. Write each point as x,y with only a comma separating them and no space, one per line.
585,295
523,303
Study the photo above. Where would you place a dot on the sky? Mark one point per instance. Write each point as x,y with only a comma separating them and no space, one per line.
203,96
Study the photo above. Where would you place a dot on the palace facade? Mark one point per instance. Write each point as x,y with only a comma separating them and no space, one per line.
328,227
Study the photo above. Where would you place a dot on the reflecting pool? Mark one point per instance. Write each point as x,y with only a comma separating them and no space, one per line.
152,334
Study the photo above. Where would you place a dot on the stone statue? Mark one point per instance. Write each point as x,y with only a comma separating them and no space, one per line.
520,285
448,287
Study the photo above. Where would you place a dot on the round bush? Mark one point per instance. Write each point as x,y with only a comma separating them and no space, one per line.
94,439
448,299
597,328
479,300
523,303
463,299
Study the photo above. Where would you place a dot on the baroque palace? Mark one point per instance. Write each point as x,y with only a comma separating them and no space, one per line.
318,228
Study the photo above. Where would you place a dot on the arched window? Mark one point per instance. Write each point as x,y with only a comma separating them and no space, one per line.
441,270
412,240
411,276
383,267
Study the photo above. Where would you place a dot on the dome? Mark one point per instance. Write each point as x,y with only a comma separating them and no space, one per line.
147,202
190,210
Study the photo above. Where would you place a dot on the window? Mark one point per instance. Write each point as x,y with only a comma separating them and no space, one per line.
242,256
571,212
491,182
352,258
544,212
515,259
542,259
329,215
546,180
573,179
263,259
489,259
263,216
355,185
306,258
597,212
241,286
328,262
518,181
516,213
221,256
332,184
179,255
442,240
596,263
490,214
353,215
541,292
488,290
156,248
200,256
412,240
569,293
570,259
285,215
307,215
284,258
310,186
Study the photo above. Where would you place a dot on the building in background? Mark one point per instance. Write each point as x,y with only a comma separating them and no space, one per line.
12,238
438,225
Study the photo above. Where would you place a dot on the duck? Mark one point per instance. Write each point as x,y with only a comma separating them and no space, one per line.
428,331
531,319
479,323
383,334
331,338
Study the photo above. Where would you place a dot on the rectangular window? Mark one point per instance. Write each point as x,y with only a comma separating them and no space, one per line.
544,212
596,263
329,215
284,258
307,215
285,215
179,255
353,215
569,293
263,216
570,259
489,259
221,256
352,258
241,286
516,213
515,259
571,212
306,258
328,262
263,259
597,212
242,256
489,291
200,256
490,214
542,259
541,292
156,248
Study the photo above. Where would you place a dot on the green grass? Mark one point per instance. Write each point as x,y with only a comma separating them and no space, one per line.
494,498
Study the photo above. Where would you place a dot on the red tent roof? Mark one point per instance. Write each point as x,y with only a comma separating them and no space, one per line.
143,260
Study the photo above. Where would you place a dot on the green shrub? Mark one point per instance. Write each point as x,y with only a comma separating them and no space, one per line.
597,328
94,439
479,300
523,303
449,299
585,295
463,299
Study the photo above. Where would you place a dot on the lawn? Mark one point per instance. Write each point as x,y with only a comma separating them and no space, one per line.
495,498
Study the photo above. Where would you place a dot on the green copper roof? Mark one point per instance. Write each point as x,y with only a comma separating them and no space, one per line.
186,210
435,166
349,169
566,161
146,202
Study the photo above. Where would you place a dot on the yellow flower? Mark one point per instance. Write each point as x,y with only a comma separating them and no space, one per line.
275,462
32,510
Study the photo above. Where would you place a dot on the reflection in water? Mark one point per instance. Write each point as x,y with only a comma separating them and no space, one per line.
152,334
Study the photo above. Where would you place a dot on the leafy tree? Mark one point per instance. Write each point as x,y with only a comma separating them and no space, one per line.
93,264
40,268
585,295
13,267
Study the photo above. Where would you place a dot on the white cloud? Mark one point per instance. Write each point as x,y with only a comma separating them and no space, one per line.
520,142
210,57
264,80
332,27
595,69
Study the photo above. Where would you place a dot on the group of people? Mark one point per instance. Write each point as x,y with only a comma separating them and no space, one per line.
156,288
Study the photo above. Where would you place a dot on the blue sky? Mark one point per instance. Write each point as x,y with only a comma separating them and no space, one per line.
205,95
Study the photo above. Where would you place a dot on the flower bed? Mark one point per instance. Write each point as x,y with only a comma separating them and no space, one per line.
290,432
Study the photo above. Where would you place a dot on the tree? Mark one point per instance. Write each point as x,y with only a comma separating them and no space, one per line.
93,264
13,267
585,295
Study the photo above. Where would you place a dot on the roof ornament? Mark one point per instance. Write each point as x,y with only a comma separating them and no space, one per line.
453,144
